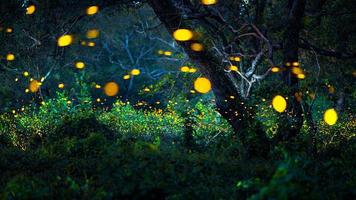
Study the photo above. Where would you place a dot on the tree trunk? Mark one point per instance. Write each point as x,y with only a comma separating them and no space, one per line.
224,84
291,121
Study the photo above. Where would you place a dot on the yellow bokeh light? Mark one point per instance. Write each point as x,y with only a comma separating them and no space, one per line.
197,47
9,30
202,85
279,103
10,57
135,72
27,90
237,59
92,33
209,2
92,10
26,74
301,76
234,68
91,44
111,89
184,69
297,70
61,86
30,10
126,77
275,69
295,64
192,70
97,86
330,116
146,89
34,86
183,35
65,40
79,65
167,53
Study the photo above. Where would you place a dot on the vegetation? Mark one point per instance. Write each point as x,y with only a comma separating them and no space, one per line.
177,99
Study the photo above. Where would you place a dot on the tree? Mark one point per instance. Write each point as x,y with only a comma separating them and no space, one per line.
262,33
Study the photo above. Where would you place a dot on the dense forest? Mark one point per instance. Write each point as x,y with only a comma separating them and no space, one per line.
177,99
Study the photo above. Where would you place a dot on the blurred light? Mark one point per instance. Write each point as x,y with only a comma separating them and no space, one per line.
202,85
184,69
279,103
183,34
92,33
111,89
65,40
30,10
135,72
330,116
92,10
10,57
197,47
79,65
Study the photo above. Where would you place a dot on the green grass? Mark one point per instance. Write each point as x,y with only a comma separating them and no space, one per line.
75,152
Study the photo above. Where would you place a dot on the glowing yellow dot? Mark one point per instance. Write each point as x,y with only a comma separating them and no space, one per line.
97,86
209,2
167,53
30,10
135,72
330,116
202,85
295,64
197,47
297,70
9,30
69,102
234,68
192,91
34,86
10,57
275,69
184,69
301,76
146,89
92,33
16,79
232,97
27,90
279,103
98,100
83,43
237,59
61,86
126,77
80,65
288,64
65,40
91,44
111,89
183,34
192,70
92,10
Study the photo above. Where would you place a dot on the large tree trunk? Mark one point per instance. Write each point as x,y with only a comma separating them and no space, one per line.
224,84
291,121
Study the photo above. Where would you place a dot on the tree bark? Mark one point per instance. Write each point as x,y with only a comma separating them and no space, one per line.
223,83
291,121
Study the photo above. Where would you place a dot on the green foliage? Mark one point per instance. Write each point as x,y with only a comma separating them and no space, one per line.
71,151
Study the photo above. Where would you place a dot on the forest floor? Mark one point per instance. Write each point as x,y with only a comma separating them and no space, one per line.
84,158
